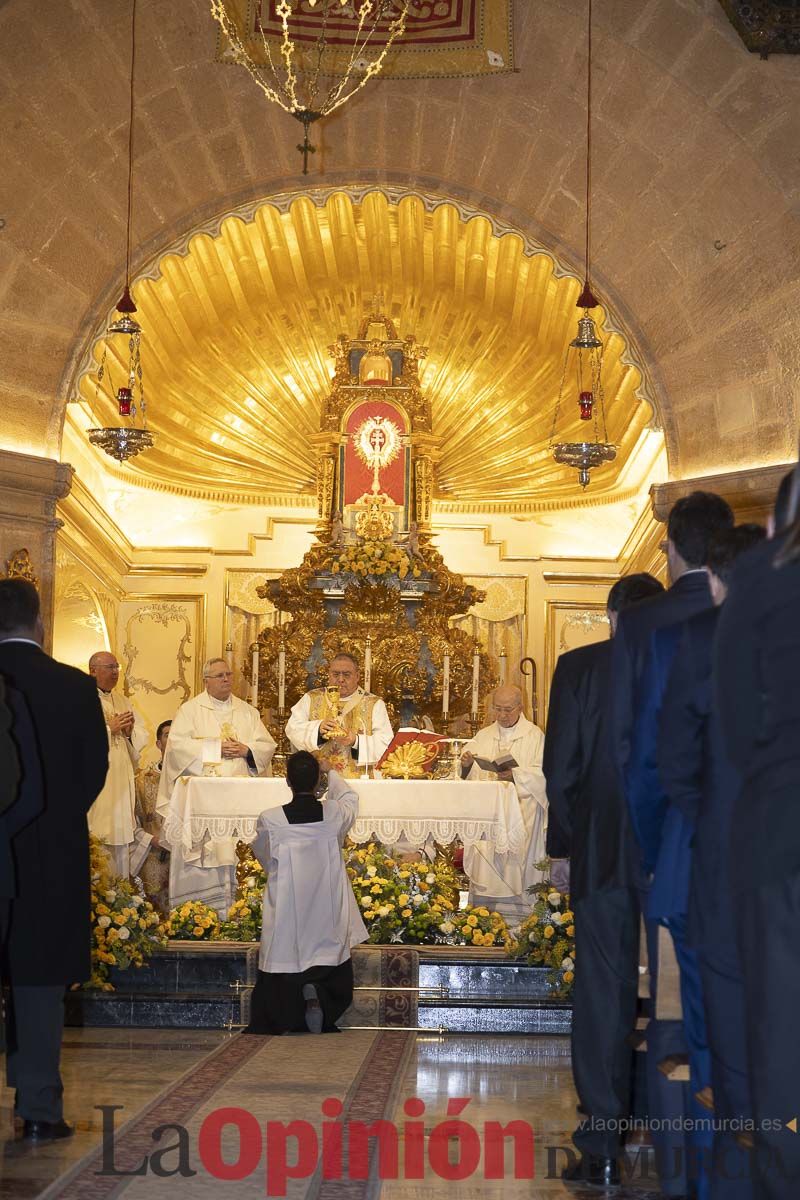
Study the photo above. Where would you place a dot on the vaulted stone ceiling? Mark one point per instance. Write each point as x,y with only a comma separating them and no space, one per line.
237,327
697,190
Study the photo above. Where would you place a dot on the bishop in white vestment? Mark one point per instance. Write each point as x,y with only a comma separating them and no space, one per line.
112,817
220,735
511,734
343,726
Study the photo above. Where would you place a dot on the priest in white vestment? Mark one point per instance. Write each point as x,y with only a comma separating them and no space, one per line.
510,734
214,734
343,726
311,919
112,817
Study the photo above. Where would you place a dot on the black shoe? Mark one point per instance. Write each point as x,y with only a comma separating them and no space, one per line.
592,1169
46,1131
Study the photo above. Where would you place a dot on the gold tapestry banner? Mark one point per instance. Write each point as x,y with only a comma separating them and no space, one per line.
444,39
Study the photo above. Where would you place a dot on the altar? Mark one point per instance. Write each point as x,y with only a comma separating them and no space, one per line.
207,817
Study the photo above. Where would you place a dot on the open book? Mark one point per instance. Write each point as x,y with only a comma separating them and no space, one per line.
503,762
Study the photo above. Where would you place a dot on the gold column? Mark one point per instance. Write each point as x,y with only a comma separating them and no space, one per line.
426,455
326,445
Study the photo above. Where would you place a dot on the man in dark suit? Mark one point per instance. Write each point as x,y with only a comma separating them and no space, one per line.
21,792
756,682
637,691
48,942
588,823
692,889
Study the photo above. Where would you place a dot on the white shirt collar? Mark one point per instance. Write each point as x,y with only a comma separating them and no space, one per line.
29,641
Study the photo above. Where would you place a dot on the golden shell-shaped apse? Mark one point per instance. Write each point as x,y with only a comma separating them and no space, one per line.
237,321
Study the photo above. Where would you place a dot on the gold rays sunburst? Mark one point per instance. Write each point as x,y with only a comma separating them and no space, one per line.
236,330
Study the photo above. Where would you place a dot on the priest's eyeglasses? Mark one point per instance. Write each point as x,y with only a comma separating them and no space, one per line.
221,675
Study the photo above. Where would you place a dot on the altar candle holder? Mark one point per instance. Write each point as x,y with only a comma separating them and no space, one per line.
368,664
254,679
281,677
476,682
281,753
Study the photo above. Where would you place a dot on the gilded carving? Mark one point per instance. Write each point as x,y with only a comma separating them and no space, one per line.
326,475
423,491
19,566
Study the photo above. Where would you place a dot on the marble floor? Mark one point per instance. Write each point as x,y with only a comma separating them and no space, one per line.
504,1078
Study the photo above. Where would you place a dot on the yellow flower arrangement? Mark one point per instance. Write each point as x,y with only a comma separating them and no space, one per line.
371,558
546,938
126,929
416,903
193,921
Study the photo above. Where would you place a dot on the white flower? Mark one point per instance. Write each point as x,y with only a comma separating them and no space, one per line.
372,871
447,927
557,918
567,964
417,900
554,898
366,901
104,922
124,934
430,877
137,900
531,937
111,896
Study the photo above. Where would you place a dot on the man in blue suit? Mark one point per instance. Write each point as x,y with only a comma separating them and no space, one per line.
637,690
691,892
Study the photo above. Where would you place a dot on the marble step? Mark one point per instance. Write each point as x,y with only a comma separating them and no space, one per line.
207,985
158,1009
192,967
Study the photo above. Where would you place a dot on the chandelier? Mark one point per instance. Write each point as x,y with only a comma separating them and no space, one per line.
583,362
353,39
124,441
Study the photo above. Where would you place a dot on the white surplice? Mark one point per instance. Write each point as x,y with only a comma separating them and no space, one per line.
112,817
195,741
311,917
525,742
303,733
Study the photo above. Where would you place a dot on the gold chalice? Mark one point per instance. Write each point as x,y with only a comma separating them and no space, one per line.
333,712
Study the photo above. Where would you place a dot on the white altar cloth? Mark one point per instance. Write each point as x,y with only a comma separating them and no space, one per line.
207,816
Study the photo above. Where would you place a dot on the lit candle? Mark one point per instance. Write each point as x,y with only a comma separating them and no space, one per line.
254,680
503,661
281,677
476,678
368,664
446,684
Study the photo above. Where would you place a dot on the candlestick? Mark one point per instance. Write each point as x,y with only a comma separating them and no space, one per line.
229,655
446,684
503,661
366,763
368,664
254,679
476,677
281,677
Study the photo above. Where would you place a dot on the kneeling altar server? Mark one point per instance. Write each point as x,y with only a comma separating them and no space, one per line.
311,919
